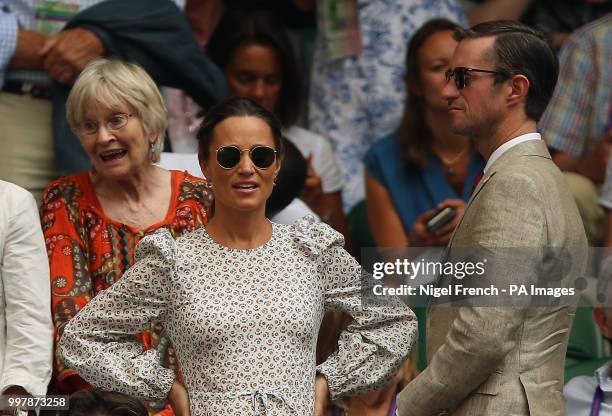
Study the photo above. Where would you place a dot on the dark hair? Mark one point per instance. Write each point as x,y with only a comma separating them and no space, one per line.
104,403
235,107
290,180
522,50
239,28
413,134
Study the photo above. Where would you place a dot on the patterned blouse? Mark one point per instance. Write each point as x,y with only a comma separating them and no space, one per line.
244,323
88,252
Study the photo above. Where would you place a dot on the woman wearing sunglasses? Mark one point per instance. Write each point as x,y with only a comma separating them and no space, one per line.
254,51
242,299
92,221
423,167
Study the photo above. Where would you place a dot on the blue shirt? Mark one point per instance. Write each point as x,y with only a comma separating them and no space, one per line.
414,190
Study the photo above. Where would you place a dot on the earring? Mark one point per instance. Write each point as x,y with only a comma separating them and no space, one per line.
274,181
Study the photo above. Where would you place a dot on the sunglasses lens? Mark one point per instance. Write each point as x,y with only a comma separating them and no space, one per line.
460,78
263,156
228,157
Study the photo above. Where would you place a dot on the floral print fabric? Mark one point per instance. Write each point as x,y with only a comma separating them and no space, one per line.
88,252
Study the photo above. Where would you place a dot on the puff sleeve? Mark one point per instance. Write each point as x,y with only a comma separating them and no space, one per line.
100,342
378,341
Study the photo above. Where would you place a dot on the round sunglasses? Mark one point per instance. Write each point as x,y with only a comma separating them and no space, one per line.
461,75
228,157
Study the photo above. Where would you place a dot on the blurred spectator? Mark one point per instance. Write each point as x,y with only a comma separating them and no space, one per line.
92,221
577,122
422,165
254,51
357,91
26,339
104,403
592,395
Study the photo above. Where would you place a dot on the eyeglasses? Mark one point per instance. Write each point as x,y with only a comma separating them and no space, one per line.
262,157
112,123
461,75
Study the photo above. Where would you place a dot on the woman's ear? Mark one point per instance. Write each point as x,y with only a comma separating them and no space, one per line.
204,167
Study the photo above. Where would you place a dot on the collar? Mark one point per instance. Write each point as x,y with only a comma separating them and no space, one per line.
507,145
602,374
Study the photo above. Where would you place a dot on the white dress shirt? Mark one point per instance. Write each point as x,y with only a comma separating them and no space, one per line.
579,392
509,144
26,331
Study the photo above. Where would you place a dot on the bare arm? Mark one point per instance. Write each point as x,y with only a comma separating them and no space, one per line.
385,223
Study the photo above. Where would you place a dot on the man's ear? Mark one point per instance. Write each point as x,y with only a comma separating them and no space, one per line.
518,88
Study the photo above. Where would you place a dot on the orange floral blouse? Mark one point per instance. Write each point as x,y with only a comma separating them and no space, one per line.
88,252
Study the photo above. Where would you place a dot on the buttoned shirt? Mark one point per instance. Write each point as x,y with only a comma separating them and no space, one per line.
26,331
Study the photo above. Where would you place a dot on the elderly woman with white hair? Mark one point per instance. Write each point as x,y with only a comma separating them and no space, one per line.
92,221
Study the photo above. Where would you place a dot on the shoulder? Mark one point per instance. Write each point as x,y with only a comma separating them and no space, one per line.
317,237
190,187
579,392
160,244
306,140
386,145
67,189
14,195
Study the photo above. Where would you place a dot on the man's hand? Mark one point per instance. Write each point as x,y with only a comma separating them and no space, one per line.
27,53
421,237
321,395
67,53
179,399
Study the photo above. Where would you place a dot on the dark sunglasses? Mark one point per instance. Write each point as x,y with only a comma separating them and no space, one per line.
262,157
460,74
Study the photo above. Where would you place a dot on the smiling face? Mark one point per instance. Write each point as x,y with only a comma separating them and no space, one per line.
114,151
244,187
254,72
434,59
477,109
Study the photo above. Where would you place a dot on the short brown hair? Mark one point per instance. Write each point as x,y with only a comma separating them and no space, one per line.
522,50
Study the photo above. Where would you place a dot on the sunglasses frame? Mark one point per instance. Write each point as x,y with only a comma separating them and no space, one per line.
462,83
250,150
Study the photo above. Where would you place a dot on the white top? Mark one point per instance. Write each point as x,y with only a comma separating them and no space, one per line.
294,211
579,392
510,143
323,160
26,330
244,323
181,161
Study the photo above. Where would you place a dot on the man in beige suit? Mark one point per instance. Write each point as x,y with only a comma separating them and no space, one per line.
503,360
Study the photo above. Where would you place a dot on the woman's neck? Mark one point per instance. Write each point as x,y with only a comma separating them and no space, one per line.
376,402
133,188
238,229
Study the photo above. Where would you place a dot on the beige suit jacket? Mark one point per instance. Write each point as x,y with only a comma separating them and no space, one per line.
503,360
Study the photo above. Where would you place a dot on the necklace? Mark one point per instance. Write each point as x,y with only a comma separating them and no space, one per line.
449,164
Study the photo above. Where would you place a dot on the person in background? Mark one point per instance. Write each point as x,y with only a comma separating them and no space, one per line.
98,402
241,298
254,51
93,221
424,165
592,395
26,330
577,124
357,89
35,52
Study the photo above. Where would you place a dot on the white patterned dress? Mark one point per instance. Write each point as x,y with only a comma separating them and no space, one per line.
244,323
